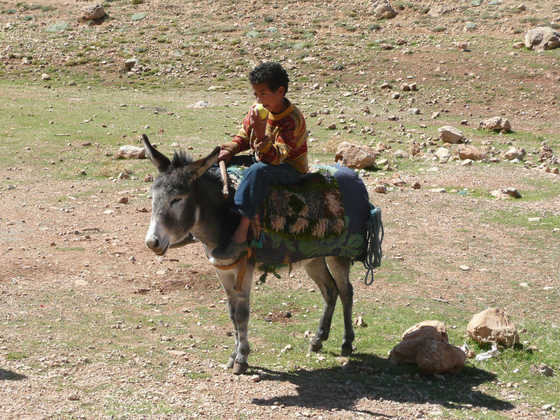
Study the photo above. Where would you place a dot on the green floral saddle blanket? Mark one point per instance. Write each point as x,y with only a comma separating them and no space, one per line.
323,215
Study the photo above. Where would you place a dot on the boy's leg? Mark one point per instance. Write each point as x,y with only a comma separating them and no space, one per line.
256,183
249,196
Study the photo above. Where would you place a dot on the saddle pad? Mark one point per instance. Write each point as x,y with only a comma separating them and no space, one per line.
323,215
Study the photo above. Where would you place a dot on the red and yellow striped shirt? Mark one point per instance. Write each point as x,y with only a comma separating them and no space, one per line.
288,139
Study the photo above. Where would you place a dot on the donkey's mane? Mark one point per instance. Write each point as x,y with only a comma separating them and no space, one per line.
180,159
180,178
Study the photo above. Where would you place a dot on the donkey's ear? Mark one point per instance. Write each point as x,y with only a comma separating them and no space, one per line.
200,166
159,160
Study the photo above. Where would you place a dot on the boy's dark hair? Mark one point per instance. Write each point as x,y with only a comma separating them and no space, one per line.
273,74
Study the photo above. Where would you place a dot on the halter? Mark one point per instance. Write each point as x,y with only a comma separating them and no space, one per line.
242,262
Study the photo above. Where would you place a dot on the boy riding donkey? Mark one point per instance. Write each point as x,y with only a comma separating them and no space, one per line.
277,136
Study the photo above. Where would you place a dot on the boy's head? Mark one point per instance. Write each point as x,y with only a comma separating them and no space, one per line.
270,84
273,74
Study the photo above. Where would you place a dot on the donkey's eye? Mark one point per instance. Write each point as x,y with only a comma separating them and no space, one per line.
175,201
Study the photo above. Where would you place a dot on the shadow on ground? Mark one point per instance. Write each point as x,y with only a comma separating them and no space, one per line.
8,375
368,376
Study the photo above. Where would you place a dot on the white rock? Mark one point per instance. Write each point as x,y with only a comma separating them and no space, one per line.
443,154
514,153
131,152
449,134
496,124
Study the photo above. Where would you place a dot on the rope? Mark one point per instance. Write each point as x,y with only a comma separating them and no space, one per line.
242,262
374,238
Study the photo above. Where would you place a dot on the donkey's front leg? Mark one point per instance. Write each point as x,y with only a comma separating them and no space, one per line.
238,293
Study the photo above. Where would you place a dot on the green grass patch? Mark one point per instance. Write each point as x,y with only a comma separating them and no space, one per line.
530,221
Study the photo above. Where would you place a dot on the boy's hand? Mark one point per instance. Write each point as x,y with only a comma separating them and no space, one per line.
225,155
260,146
258,125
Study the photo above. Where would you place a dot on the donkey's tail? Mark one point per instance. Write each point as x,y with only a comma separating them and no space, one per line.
374,239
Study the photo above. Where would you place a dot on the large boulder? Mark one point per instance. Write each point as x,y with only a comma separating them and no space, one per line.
496,124
435,356
355,156
542,38
412,339
493,326
449,134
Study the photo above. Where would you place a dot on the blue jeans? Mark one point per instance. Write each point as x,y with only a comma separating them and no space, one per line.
254,186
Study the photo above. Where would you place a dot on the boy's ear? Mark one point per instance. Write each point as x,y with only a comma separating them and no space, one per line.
281,90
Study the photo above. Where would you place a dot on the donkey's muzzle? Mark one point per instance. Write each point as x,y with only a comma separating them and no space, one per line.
155,245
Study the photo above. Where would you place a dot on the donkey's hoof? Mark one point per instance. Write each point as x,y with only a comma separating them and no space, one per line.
230,363
347,350
239,368
315,346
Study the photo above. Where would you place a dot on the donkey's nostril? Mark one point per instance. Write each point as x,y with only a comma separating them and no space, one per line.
152,242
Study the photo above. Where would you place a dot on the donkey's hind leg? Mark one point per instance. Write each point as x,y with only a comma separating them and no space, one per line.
340,270
318,271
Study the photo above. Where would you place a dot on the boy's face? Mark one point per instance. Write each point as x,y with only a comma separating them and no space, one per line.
273,100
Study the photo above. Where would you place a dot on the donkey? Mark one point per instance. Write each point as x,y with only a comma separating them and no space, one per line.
187,200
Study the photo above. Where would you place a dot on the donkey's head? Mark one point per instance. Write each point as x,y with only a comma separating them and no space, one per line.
175,209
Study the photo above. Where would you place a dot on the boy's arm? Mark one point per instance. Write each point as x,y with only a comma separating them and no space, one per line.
240,141
290,143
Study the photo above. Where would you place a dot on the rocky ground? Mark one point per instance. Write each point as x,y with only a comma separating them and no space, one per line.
76,278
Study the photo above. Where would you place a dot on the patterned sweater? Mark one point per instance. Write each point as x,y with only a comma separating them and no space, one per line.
288,135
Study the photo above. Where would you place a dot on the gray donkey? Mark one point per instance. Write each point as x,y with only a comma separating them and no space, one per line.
187,201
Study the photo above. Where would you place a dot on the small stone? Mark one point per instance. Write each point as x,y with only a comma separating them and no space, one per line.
514,153
287,348
443,154
130,64
123,200
512,192
465,268
385,11
496,124
359,322
542,369
96,12
131,152
381,189
45,77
